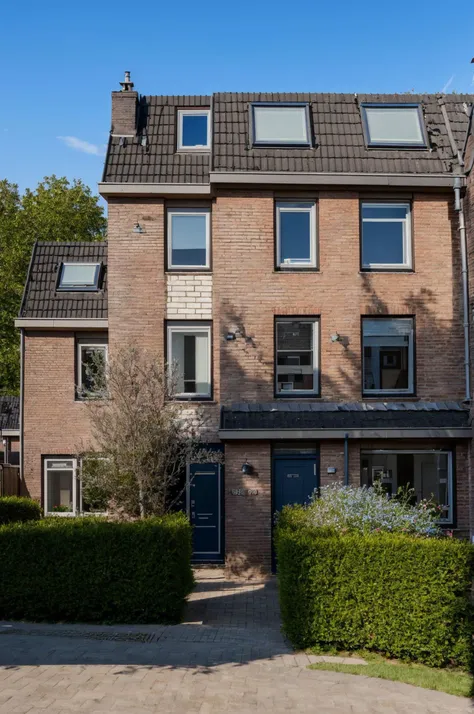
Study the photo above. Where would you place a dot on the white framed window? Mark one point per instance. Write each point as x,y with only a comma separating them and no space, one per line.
386,235
388,355
297,356
296,234
92,356
189,238
189,358
63,489
280,124
428,472
394,125
194,129
79,277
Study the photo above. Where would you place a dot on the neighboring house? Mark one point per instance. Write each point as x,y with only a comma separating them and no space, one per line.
10,430
299,256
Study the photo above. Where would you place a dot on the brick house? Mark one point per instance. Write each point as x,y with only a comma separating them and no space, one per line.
299,256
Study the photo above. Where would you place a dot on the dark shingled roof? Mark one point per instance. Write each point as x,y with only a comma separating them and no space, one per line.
42,300
360,415
9,413
337,128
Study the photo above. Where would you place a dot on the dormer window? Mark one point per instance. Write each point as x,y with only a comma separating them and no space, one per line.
194,130
282,124
394,125
79,277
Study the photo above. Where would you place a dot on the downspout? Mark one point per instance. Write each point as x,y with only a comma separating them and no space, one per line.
458,207
346,459
22,397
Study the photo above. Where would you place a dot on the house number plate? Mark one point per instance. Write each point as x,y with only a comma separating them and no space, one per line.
244,491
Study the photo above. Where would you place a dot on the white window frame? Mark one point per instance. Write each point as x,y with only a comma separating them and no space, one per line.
189,212
304,106
407,240
449,519
411,358
315,321
193,112
191,328
99,342
76,507
296,206
77,287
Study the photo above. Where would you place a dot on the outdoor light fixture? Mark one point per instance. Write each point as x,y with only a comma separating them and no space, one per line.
230,336
137,228
247,468
336,337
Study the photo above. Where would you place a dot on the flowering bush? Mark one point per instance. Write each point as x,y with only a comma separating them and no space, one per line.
366,509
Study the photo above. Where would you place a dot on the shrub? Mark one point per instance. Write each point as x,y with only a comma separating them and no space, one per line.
90,570
368,509
14,508
403,596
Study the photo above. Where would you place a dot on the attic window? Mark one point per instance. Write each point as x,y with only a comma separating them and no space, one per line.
394,125
79,277
280,124
194,129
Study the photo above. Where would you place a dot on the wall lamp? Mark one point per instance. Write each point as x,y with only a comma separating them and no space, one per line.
247,468
336,337
138,229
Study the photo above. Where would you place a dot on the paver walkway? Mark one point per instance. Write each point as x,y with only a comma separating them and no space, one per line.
229,656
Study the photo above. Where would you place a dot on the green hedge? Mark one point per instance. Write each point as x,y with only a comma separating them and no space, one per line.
90,570
14,508
404,596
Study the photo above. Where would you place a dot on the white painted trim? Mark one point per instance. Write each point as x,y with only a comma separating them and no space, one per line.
61,323
73,470
407,240
188,212
295,206
191,328
193,112
81,342
327,179
154,189
10,432
315,322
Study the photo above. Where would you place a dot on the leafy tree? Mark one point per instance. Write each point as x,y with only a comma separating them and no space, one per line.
56,210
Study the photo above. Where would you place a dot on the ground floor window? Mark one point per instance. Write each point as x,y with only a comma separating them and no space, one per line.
63,489
429,473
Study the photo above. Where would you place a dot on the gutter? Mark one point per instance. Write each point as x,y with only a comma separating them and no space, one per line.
331,179
62,323
458,207
362,433
154,189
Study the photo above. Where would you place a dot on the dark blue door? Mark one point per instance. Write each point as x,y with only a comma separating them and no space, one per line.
204,506
294,481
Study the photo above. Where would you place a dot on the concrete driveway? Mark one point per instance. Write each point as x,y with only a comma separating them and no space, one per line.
229,656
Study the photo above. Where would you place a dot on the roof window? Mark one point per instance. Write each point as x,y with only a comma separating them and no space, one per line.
280,124
194,129
79,277
393,125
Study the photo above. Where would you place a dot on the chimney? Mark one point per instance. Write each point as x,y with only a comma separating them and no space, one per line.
124,109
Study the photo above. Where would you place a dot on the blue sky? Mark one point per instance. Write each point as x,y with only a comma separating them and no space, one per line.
59,62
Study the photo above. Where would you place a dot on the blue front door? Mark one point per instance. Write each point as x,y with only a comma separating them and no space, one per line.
204,507
295,480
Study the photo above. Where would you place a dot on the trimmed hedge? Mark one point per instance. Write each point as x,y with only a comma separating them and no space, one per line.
90,570
405,596
14,509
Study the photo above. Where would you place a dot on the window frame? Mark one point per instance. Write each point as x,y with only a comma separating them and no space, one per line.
377,393
194,111
313,237
308,144
190,327
77,509
299,393
393,144
87,341
78,288
407,265
190,211
451,473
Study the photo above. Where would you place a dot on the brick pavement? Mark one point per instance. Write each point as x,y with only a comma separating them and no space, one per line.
228,656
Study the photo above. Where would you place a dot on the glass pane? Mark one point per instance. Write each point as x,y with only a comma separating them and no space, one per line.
383,243
59,491
282,125
386,354
394,124
93,361
384,211
295,236
77,275
295,358
188,239
194,129
190,356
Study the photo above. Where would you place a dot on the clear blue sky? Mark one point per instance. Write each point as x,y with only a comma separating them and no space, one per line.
59,62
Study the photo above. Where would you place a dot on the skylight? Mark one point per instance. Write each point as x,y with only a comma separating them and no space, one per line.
79,277
393,125
194,129
280,124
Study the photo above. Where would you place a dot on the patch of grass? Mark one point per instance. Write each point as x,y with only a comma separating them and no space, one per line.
449,680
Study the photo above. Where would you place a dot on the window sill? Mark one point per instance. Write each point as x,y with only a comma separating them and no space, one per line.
186,271
386,270
390,395
313,395
296,269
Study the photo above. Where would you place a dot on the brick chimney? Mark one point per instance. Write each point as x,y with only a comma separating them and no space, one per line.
124,109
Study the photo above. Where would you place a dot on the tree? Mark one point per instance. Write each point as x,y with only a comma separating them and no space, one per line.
143,438
55,211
